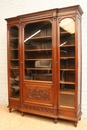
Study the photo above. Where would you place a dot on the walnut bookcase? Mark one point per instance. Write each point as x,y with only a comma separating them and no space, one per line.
44,63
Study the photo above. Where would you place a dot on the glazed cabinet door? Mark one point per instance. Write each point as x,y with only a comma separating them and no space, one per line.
38,58
68,68
38,51
13,67
67,62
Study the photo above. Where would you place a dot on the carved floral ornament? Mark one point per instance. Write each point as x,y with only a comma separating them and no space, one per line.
38,93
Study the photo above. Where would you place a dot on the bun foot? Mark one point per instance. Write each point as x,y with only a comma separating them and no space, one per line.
10,109
75,124
55,121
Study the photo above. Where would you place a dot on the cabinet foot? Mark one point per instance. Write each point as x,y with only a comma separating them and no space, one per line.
80,118
10,109
22,113
55,121
75,124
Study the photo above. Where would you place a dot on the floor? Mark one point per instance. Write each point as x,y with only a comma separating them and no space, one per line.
14,121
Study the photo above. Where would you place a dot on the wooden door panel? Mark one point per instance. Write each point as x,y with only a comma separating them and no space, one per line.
38,93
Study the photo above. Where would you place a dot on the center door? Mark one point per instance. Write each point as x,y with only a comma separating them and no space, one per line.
39,95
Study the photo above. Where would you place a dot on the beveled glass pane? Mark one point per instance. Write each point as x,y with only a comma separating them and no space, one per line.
38,51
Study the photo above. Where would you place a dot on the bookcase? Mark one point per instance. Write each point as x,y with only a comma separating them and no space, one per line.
45,63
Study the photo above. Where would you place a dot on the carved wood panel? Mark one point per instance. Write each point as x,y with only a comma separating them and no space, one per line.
40,109
37,93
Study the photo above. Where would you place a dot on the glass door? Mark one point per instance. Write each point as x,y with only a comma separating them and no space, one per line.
67,62
14,62
38,51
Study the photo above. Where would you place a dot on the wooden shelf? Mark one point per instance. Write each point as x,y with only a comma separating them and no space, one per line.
14,49
14,59
63,32
67,91
66,82
17,98
67,69
67,58
42,38
38,59
30,50
69,45
38,68
14,68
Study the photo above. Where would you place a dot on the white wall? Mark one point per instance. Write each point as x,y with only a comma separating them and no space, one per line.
11,8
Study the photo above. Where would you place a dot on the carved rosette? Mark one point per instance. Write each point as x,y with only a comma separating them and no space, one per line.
38,93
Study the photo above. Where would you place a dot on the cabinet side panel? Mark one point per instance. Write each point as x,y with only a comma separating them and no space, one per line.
79,62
